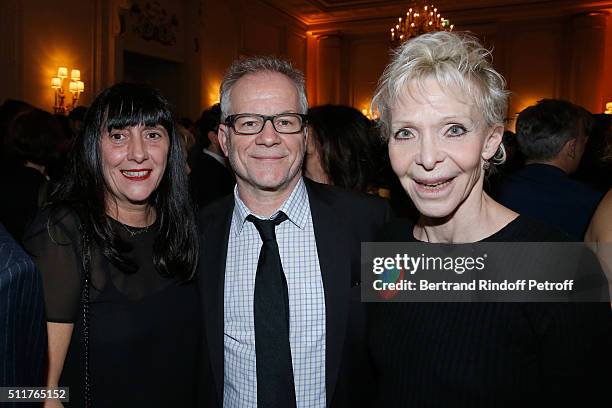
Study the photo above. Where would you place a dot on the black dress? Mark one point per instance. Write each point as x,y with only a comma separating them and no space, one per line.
490,354
144,328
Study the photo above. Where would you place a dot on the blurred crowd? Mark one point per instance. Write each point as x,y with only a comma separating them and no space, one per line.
344,149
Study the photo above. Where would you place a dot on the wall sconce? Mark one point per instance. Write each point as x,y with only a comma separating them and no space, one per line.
75,87
608,108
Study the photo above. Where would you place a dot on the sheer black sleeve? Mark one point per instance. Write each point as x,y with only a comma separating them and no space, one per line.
53,242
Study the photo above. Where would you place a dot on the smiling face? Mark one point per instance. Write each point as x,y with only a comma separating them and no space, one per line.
133,161
268,161
438,145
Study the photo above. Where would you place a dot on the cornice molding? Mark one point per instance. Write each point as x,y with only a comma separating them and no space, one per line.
369,16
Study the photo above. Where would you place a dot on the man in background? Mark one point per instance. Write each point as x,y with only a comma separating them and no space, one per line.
23,329
552,136
210,177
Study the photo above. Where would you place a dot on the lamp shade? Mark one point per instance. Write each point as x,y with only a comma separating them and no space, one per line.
56,83
80,86
62,72
75,75
73,86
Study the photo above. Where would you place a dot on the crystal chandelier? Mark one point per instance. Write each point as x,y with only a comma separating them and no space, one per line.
418,20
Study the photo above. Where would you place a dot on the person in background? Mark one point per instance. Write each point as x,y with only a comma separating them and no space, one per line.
600,233
76,118
596,166
9,110
345,149
188,124
442,108
117,250
341,149
23,338
600,229
56,170
552,136
187,142
210,177
514,161
31,148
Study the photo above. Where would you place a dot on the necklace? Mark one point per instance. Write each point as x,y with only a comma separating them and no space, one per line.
136,231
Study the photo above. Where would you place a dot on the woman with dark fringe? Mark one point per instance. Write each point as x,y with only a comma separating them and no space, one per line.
117,250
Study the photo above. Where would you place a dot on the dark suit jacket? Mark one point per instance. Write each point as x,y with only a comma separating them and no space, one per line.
209,180
342,220
547,194
23,330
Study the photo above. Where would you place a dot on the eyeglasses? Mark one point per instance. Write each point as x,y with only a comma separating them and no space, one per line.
252,123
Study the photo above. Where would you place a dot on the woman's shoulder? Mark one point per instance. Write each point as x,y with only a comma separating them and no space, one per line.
61,223
600,229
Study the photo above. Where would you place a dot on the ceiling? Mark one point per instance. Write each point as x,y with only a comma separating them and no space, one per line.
320,15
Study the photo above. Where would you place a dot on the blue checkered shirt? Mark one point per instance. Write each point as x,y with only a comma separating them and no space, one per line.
298,252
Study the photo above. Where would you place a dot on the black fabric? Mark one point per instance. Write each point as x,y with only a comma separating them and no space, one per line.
547,194
341,220
144,329
209,180
23,334
20,186
490,354
275,386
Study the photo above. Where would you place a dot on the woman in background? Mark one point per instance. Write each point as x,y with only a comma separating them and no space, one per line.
600,234
342,149
442,107
117,251
600,229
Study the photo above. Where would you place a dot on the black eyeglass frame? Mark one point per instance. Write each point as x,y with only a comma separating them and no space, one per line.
230,121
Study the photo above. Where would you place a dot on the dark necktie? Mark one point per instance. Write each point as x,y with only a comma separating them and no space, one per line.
275,387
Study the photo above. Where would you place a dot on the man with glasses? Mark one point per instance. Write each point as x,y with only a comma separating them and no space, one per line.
280,258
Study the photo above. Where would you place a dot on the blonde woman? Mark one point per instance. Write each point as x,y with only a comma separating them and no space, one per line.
442,107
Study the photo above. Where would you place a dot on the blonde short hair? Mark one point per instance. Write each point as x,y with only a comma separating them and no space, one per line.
456,60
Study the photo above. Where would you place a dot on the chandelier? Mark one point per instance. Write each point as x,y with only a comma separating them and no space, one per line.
419,20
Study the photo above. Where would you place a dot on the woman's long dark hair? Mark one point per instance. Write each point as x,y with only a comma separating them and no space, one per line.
84,189
350,153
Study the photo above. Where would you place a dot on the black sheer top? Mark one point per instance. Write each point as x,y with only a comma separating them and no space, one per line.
144,328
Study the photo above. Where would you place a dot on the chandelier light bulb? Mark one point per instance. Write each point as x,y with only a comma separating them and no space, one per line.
419,22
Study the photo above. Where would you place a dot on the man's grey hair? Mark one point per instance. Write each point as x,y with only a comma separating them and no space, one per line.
253,65
544,128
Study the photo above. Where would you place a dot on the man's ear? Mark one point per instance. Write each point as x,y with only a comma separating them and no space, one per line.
493,141
213,138
223,136
570,148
